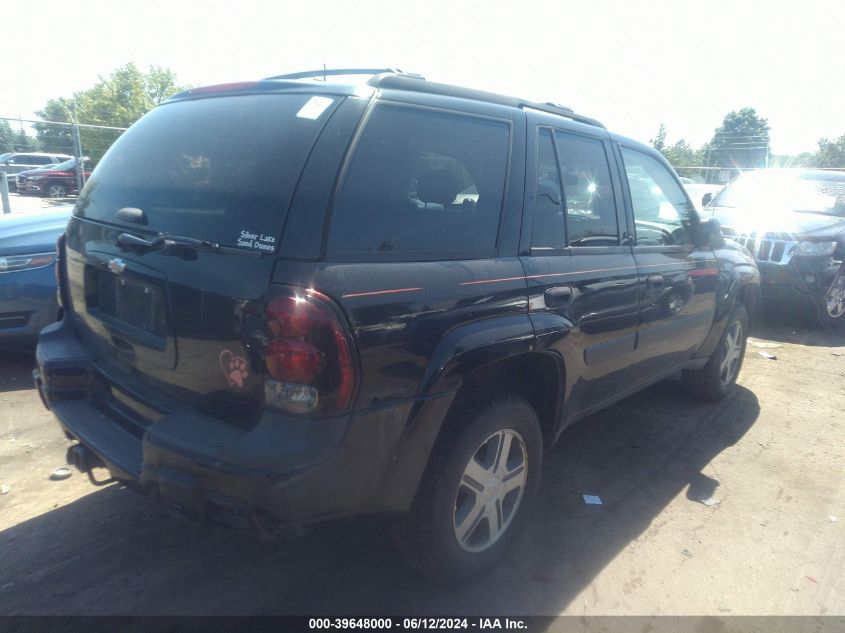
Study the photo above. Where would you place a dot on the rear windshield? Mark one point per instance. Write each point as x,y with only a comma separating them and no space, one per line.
221,169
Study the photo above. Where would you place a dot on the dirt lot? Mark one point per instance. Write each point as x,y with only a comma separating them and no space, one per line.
772,455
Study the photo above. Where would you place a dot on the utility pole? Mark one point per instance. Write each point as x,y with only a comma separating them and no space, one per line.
4,192
77,150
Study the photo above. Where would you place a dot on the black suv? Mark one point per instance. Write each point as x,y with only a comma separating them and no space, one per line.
793,221
288,301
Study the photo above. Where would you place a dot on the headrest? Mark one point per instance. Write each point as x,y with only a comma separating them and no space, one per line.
438,185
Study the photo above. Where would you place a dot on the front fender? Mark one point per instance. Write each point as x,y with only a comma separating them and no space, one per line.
739,280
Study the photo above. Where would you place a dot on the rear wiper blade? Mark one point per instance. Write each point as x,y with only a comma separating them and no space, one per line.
173,244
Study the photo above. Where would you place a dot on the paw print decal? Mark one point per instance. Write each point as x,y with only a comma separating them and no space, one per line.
234,368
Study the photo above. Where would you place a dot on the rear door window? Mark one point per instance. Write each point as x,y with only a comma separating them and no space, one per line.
591,218
422,182
548,231
221,169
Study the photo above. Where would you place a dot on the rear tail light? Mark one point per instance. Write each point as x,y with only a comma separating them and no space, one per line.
308,358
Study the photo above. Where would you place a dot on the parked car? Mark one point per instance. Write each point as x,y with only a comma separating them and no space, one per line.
16,162
271,349
793,221
27,275
54,181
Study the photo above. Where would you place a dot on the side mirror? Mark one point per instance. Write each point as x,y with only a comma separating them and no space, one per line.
706,198
708,234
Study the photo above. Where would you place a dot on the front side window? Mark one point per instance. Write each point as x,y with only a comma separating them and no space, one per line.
588,191
661,209
422,181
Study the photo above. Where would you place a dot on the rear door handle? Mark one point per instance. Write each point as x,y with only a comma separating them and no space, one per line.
654,282
557,296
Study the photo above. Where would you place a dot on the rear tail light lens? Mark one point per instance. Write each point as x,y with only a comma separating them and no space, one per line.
308,358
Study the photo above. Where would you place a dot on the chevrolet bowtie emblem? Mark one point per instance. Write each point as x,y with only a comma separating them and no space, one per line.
117,265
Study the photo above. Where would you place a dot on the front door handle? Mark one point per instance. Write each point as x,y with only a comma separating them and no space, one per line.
654,282
557,296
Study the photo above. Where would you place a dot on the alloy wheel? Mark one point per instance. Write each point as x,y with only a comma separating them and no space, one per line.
732,348
56,191
490,491
835,299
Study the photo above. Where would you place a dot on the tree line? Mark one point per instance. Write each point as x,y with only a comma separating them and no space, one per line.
117,100
120,99
742,141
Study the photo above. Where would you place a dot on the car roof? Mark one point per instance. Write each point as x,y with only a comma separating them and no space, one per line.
380,79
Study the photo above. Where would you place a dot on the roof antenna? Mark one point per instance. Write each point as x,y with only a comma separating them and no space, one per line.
324,72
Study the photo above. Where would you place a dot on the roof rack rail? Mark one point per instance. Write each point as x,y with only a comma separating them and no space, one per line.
332,72
388,79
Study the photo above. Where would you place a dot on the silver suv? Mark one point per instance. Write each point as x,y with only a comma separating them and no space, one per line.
16,162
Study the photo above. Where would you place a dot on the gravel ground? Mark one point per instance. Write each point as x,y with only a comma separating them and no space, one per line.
768,461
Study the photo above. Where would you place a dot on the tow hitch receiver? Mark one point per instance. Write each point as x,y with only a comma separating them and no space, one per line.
85,460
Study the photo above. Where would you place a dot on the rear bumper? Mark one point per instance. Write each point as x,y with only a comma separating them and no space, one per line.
283,472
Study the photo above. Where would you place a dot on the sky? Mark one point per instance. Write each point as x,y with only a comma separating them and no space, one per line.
632,65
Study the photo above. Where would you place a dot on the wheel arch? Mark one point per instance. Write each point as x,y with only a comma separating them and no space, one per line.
742,287
538,377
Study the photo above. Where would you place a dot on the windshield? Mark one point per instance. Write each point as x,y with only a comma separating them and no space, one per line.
221,169
68,164
807,192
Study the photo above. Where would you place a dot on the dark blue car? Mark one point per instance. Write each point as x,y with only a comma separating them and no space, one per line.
27,280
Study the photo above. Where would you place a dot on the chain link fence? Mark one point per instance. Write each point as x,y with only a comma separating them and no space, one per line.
34,146
723,175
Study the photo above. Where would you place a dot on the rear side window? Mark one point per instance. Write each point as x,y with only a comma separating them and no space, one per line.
29,159
221,169
422,182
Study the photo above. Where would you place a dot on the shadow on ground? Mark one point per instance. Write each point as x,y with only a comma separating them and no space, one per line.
797,328
114,551
16,370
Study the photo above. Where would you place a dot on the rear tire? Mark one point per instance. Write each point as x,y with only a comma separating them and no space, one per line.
718,377
481,479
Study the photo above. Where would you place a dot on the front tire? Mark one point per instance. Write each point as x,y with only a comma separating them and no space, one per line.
831,311
481,479
718,377
55,190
